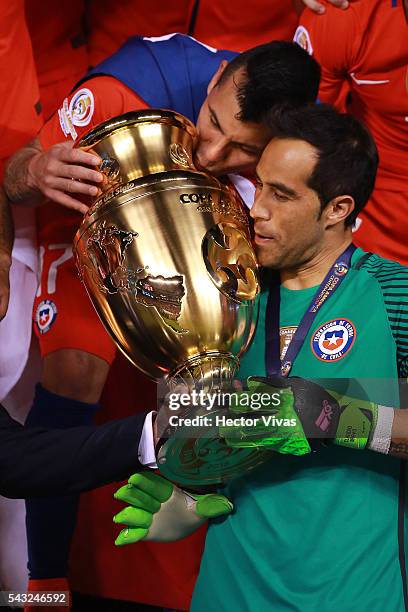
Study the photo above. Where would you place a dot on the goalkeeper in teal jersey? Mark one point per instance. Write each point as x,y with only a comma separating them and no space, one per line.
322,526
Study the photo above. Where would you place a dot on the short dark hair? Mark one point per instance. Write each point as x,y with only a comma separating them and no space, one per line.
278,72
347,155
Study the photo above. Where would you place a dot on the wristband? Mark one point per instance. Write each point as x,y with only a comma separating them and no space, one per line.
380,439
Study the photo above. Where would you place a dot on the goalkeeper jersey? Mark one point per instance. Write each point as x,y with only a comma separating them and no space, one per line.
325,532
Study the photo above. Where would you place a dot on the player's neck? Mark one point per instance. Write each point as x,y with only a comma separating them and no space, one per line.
406,10
312,272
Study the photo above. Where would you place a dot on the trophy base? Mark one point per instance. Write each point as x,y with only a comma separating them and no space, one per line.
196,457
191,452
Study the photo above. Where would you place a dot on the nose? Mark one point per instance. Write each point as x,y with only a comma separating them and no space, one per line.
259,209
215,151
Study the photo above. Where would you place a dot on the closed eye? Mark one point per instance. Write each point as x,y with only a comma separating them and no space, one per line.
214,121
248,151
281,197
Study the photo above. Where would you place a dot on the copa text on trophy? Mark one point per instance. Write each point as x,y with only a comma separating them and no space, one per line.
166,258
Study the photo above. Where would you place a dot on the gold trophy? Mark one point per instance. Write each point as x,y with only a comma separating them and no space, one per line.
166,258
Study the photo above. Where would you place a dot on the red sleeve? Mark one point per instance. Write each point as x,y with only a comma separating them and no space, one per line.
20,114
95,101
332,39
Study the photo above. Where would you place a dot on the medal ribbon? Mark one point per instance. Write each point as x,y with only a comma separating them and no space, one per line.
326,289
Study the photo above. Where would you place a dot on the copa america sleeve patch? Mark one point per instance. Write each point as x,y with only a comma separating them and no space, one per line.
333,340
302,38
45,315
78,112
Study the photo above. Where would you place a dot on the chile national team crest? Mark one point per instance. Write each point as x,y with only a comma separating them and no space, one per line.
45,315
77,113
333,340
302,38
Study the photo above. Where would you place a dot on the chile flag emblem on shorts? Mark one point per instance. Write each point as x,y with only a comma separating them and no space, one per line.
45,315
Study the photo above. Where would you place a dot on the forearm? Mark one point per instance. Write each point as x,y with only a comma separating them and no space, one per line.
399,435
385,431
17,181
38,462
6,246
6,231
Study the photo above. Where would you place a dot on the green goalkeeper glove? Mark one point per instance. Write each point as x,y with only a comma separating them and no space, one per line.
160,511
300,416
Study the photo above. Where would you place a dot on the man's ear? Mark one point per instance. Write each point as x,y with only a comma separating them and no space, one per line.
216,76
338,209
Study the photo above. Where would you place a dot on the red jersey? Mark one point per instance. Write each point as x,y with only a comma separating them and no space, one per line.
222,24
20,110
240,25
367,45
59,46
95,100
111,22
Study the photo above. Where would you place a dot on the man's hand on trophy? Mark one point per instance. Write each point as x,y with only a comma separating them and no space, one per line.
63,171
286,415
162,512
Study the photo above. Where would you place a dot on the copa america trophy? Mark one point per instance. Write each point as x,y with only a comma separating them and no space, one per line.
166,258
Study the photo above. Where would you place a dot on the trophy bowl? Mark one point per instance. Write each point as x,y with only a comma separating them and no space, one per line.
166,258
